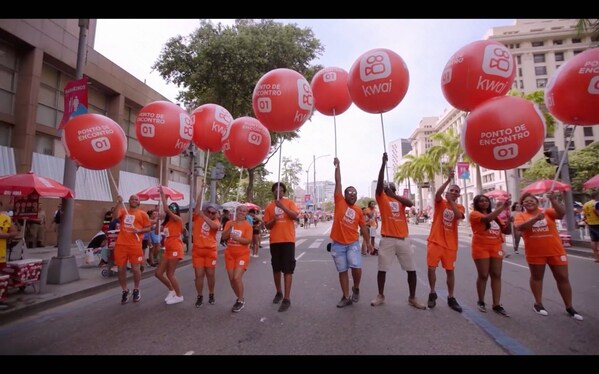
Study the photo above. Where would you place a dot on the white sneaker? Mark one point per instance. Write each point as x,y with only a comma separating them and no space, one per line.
378,300
169,296
175,300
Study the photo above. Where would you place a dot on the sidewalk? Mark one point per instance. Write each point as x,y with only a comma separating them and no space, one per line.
38,297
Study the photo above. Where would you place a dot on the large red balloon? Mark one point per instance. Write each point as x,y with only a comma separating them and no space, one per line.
210,123
331,95
246,143
378,80
282,100
94,141
503,133
163,128
572,94
477,72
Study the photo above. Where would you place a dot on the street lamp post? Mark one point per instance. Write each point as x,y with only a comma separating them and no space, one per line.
314,158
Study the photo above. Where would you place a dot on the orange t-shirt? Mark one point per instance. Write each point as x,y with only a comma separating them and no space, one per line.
370,216
244,229
203,235
283,230
444,231
480,235
393,216
172,231
543,238
136,219
346,222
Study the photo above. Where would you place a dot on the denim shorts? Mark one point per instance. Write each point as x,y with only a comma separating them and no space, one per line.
156,238
346,255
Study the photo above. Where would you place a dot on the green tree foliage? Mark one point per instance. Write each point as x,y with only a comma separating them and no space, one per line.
363,201
538,97
540,169
583,165
222,64
290,171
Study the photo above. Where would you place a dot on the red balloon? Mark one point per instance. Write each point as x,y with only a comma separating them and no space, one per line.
331,95
282,100
94,141
246,143
210,123
503,133
477,72
163,128
378,80
572,94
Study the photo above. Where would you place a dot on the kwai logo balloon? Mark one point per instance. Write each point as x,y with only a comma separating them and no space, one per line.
477,72
282,100
331,95
503,132
210,123
163,128
94,141
246,142
572,94
378,80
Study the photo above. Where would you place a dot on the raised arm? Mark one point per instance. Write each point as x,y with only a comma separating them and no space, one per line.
439,193
380,180
338,189
172,216
560,210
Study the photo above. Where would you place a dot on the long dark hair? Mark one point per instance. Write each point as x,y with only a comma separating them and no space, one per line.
475,203
177,211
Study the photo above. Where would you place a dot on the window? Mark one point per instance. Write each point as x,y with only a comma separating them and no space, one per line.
576,40
540,70
587,130
44,144
568,131
578,51
558,42
572,147
519,72
588,142
50,105
541,83
519,59
537,44
5,130
521,85
97,102
133,165
8,78
559,56
539,57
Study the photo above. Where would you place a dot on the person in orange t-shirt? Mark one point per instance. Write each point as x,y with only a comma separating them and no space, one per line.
487,248
345,248
394,238
134,223
442,242
239,234
204,252
173,251
544,247
279,218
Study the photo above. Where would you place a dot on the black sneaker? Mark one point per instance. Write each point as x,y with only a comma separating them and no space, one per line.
344,302
136,296
540,309
355,294
453,304
285,305
125,297
432,297
574,314
211,299
277,299
499,310
199,301
238,306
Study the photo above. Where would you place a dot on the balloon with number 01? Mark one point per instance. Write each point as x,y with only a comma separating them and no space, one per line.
163,128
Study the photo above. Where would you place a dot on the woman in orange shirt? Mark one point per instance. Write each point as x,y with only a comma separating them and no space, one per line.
487,251
173,251
544,247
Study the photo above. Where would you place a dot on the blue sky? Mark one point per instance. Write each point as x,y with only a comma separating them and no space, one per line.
424,44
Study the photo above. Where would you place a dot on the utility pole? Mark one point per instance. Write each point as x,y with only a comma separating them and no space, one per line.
568,197
63,268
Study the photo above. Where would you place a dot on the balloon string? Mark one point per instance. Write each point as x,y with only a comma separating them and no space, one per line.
204,179
240,175
335,129
280,157
384,145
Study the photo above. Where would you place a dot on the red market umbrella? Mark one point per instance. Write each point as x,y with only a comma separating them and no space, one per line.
252,206
497,194
154,194
26,183
544,185
592,183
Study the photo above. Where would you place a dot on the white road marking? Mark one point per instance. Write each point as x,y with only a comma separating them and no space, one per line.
316,243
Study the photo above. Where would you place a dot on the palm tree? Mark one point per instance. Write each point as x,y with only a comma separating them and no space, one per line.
407,171
538,97
590,26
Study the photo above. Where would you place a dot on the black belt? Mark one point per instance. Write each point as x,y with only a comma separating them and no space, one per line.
392,237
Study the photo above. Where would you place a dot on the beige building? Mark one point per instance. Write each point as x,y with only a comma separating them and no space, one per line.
540,47
37,58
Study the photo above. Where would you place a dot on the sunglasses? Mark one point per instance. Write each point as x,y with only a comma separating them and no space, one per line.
173,208
212,212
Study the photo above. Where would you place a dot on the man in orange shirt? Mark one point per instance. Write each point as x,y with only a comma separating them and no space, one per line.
345,248
134,223
279,218
394,238
443,240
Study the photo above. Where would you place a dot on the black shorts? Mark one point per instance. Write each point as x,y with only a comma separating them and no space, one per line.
594,233
256,232
282,257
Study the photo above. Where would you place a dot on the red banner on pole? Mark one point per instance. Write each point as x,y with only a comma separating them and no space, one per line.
406,192
463,170
75,100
